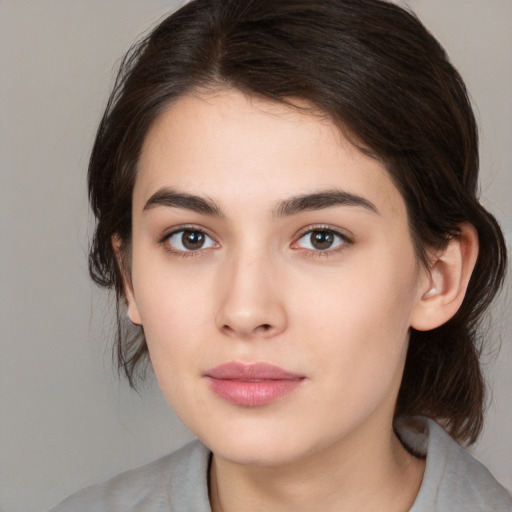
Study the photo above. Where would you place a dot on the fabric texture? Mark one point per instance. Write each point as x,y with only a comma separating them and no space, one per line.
453,481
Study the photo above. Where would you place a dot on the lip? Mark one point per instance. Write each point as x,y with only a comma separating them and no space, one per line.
253,384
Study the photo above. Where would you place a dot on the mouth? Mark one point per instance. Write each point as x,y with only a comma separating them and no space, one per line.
251,385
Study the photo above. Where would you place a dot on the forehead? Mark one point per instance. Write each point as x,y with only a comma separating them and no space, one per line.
233,147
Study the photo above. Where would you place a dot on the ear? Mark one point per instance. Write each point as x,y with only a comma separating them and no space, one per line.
131,306
445,282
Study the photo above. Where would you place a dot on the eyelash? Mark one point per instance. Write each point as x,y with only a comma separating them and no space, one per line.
184,253
344,241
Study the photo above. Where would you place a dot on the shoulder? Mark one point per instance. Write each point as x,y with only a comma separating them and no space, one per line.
177,482
453,479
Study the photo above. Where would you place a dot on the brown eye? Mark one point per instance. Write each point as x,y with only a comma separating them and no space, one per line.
321,240
188,240
192,240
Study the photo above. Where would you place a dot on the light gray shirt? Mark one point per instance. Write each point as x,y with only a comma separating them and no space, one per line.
453,480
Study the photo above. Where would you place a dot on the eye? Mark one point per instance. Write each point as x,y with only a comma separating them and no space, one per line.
189,240
321,239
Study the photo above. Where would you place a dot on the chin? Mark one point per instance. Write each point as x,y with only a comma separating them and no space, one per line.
263,454
260,444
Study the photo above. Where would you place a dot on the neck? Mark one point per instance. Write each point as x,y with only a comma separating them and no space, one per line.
379,475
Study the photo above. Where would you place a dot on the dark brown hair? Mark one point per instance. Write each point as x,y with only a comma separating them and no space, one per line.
376,71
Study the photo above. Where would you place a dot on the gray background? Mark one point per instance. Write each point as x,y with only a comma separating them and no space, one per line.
65,420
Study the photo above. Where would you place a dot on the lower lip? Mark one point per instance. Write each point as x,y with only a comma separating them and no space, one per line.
253,393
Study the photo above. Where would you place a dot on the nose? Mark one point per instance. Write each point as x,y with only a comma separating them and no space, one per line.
251,305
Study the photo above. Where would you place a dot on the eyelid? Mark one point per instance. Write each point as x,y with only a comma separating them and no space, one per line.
347,239
342,234
187,227
183,227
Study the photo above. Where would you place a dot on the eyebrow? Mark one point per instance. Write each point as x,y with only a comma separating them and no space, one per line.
170,198
321,200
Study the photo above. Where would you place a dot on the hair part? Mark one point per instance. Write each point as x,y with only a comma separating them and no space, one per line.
373,69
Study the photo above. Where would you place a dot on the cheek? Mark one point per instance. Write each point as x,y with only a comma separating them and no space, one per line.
169,295
173,309
173,317
373,293
174,329
359,317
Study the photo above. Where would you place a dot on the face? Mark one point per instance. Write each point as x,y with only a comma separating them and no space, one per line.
274,275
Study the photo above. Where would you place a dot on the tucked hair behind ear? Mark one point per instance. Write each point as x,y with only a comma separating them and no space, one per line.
377,72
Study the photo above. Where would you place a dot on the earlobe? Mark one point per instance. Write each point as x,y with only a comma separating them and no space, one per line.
446,280
132,310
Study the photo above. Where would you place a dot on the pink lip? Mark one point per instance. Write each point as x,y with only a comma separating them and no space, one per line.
252,384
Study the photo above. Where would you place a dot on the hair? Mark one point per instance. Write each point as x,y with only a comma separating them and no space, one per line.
375,70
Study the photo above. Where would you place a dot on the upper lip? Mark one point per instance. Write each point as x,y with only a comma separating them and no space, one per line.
235,370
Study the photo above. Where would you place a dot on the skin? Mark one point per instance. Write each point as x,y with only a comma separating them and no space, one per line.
258,291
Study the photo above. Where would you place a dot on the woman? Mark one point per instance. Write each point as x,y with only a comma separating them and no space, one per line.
286,202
